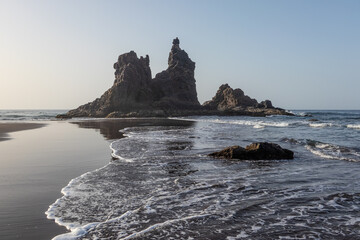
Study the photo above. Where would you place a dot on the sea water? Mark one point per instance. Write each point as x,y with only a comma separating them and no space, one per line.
163,185
29,115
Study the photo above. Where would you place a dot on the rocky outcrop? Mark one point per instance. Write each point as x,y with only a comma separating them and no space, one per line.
130,92
175,87
171,93
227,98
235,102
255,151
265,104
135,93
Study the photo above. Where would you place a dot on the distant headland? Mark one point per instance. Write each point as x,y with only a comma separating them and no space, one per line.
170,93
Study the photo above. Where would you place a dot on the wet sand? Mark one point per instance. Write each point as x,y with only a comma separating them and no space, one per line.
6,128
36,164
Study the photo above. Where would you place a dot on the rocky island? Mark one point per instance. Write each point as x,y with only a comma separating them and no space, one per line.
171,92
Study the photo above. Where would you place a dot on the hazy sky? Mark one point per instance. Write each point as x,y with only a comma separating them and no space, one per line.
299,54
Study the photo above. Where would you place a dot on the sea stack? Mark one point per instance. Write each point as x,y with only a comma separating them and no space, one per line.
175,87
135,93
171,92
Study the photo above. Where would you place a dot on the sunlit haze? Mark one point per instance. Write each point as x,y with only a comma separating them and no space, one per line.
299,54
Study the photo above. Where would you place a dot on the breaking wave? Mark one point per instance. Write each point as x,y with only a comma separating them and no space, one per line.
354,126
163,185
320,125
331,151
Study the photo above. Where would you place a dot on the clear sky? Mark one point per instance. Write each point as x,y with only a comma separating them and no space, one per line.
299,54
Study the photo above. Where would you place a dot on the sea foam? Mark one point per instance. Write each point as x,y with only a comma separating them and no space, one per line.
354,126
164,186
331,151
320,125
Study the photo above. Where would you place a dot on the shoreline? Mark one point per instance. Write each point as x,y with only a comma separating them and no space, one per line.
9,127
39,163
36,165
49,159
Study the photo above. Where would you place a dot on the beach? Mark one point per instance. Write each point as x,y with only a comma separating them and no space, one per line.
35,165
40,158
153,179
6,128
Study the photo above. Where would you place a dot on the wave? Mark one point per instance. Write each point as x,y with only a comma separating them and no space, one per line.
354,126
299,114
320,125
332,151
160,225
255,123
77,230
21,115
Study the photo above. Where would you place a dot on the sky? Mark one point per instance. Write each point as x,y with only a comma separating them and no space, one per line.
299,54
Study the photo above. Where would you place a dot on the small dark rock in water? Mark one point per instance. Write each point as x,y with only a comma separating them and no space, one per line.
313,120
255,151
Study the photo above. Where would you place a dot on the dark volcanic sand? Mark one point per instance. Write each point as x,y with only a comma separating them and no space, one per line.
6,128
36,164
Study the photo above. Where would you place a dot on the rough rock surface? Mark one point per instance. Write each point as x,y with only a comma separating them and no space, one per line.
265,104
255,151
134,92
175,87
130,91
171,93
235,102
227,98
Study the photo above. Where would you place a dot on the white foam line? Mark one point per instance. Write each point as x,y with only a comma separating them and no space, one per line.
75,229
256,124
161,225
78,232
354,126
323,155
66,192
320,125
114,155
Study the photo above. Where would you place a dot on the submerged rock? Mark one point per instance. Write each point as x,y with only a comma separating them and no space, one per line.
255,151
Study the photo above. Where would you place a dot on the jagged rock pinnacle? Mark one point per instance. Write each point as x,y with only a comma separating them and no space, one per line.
176,41
171,92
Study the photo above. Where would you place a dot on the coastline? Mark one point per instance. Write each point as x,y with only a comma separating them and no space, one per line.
44,160
46,166
9,127
35,165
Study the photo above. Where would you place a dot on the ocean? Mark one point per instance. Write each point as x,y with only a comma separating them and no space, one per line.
160,183
29,115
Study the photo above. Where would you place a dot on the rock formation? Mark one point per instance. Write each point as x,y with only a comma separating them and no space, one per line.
130,91
227,98
135,93
255,151
175,87
171,93
234,102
